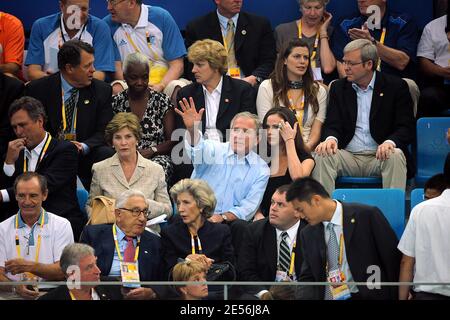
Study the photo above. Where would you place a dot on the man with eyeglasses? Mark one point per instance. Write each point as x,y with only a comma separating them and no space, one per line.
369,124
36,150
49,33
31,241
125,250
150,30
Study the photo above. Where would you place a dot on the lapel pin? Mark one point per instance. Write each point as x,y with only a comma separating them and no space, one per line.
244,32
381,94
353,220
227,100
146,251
86,101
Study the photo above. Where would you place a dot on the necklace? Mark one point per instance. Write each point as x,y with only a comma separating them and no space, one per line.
295,84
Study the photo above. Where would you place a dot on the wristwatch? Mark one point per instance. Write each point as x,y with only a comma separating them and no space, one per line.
224,217
259,80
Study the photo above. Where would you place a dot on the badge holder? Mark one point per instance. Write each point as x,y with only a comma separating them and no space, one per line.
130,274
70,136
338,292
234,73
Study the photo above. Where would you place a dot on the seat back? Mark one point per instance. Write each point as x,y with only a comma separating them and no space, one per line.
391,202
417,196
82,196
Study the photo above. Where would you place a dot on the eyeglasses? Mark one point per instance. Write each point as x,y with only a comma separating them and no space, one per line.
136,212
114,2
351,63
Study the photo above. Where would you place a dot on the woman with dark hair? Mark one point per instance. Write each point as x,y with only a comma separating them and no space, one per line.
289,159
292,85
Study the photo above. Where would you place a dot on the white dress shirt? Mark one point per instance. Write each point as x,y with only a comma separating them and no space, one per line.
212,102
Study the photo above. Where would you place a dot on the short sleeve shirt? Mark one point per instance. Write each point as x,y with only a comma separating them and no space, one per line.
12,39
433,44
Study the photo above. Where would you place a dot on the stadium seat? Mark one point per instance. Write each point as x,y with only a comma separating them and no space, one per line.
432,147
417,196
358,180
390,201
82,196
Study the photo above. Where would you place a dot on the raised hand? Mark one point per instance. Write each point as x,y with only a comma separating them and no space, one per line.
189,113
14,148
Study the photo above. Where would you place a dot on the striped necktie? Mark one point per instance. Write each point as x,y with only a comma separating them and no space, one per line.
284,254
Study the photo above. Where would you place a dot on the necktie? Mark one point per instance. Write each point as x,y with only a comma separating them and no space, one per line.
128,254
332,256
229,40
284,253
70,107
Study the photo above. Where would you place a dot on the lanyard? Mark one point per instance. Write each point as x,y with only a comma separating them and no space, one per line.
117,245
316,41
291,266
301,113
200,250
61,34
41,156
382,38
38,248
149,44
64,118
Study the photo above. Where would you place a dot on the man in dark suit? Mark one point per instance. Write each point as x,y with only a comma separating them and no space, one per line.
78,106
131,217
10,90
78,263
369,123
351,240
262,258
36,150
252,47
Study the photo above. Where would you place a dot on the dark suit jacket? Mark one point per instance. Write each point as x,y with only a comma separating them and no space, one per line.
100,237
254,41
10,90
258,258
62,293
391,113
369,241
176,243
237,96
93,109
59,166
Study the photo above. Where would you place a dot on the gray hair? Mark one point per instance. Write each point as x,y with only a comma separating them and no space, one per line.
124,196
368,50
322,2
201,192
248,115
136,58
73,253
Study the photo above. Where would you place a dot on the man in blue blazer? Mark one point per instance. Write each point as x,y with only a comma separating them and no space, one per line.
131,217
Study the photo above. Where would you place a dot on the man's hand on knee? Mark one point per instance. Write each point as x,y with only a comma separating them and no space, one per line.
384,151
327,148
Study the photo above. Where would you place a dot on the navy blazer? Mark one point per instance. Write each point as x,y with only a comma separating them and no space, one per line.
258,256
176,243
100,237
62,293
369,241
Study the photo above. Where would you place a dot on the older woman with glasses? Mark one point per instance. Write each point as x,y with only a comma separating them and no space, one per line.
313,27
128,169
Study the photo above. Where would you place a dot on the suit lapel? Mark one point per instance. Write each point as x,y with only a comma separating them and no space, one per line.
298,253
108,247
318,239
377,97
349,224
199,99
241,32
55,103
41,164
117,171
225,97
270,247
85,100
215,30
139,171
145,268
351,101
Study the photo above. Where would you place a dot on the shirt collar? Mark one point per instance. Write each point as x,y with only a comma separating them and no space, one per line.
65,85
292,231
369,87
121,235
143,18
249,157
22,224
217,89
337,216
224,20
63,27
40,146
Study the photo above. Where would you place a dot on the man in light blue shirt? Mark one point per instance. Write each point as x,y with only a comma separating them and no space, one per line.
369,124
234,171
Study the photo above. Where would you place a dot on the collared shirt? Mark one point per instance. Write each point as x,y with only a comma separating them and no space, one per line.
427,239
212,103
362,140
223,21
46,39
291,237
402,34
238,182
56,235
433,44
32,156
115,267
164,37
338,230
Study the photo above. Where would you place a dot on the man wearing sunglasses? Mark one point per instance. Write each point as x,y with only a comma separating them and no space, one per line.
125,250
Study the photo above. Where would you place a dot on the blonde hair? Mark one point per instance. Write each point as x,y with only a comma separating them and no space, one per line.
211,51
322,2
120,121
201,192
186,269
